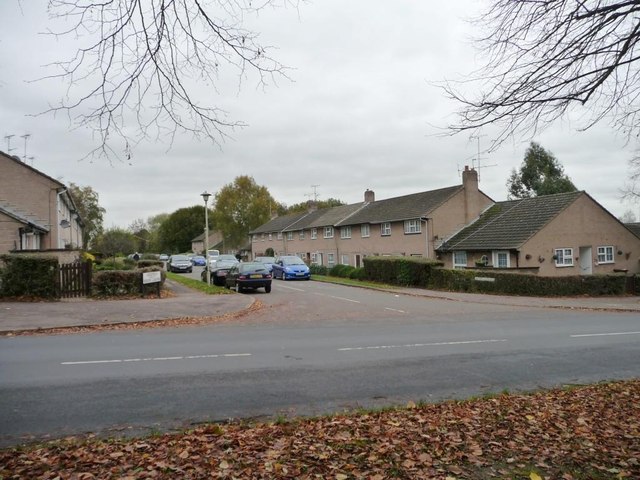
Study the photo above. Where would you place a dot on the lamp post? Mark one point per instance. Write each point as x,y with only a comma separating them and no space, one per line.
206,196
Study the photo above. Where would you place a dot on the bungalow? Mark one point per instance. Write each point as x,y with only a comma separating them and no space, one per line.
37,212
412,225
551,235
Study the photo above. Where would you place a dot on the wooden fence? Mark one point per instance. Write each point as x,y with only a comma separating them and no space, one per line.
74,279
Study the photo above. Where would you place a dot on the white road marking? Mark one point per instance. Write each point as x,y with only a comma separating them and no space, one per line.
413,345
156,359
605,334
291,288
394,310
345,299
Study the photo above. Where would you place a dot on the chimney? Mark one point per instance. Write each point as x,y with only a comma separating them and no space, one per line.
312,206
369,196
471,193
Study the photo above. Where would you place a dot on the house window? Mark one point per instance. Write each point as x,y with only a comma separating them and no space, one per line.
605,254
412,226
289,235
331,259
328,232
263,237
270,236
314,233
279,236
365,230
564,257
345,232
255,238
459,259
301,236
344,260
385,229
314,258
500,259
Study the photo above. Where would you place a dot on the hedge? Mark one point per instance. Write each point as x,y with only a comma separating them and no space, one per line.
114,283
405,271
32,275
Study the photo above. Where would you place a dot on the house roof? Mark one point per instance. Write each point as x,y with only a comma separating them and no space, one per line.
508,225
22,217
22,164
406,207
634,227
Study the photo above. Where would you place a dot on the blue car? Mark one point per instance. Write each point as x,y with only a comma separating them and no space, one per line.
198,261
291,267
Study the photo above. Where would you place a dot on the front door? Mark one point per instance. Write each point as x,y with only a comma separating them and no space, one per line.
358,261
586,267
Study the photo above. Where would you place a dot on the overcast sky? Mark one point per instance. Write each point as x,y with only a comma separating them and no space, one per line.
359,113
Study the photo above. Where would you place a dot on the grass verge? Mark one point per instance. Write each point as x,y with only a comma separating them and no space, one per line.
198,284
351,282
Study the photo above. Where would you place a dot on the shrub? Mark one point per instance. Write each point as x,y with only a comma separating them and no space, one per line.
358,274
22,275
150,263
115,283
318,269
342,271
406,271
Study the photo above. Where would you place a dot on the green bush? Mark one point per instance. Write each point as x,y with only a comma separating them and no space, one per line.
32,276
406,271
342,271
358,274
150,263
318,270
117,283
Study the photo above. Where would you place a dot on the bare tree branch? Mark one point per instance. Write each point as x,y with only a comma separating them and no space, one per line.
544,57
143,59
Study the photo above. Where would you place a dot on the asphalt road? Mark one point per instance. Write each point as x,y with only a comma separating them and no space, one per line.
313,348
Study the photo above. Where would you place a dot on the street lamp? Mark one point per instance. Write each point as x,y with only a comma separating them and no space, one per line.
206,196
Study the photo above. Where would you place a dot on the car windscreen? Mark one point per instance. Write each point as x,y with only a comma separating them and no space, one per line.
252,267
293,261
179,258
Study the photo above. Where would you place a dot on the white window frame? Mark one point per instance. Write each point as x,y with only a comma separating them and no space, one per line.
301,235
564,257
314,258
606,254
496,258
385,229
289,236
263,237
344,259
412,226
365,230
270,236
255,237
328,232
279,236
331,259
314,233
457,260
345,232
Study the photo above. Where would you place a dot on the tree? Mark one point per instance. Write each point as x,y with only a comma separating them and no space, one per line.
240,207
180,227
88,202
153,224
628,217
631,190
539,174
140,62
115,240
547,56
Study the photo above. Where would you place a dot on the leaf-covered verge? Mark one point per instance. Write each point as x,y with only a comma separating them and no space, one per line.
590,432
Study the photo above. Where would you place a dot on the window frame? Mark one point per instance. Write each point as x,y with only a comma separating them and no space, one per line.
289,236
331,259
496,258
457,264
328,232
301,235
566,253
385,229
412,226
363,227
314,233
345,232
603,253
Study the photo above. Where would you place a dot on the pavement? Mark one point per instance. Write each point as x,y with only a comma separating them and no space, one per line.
187,303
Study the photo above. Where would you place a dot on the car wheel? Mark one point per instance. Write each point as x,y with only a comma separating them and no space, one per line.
267,288
283,276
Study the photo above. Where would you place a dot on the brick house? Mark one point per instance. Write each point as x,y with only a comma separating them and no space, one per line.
37,213
412,225
551,235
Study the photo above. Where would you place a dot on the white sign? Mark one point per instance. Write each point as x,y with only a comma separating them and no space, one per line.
484,279
151,277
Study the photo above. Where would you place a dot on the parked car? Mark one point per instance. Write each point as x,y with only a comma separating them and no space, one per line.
249,275
268,261
163,257
220,269
198,261
289,267
179,263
